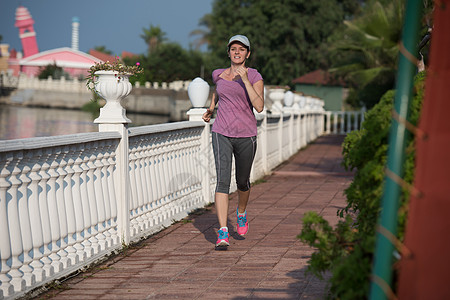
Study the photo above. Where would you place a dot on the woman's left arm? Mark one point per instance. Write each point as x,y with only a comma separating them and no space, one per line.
255,91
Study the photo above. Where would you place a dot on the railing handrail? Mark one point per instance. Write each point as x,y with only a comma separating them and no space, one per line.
149,129
54,141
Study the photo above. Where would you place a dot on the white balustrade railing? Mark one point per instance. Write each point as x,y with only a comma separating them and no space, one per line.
343,122
68,201
75,84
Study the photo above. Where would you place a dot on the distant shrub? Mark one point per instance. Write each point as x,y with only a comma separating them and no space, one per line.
53,71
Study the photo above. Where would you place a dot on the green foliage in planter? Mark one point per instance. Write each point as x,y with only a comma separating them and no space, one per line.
347,249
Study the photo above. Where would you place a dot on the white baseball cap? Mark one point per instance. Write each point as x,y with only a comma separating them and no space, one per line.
239,38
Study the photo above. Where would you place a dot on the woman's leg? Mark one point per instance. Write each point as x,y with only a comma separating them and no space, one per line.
222,208
244,153
243,200
223,151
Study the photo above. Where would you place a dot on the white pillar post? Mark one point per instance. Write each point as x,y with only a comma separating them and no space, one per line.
264,144
113,118
122,180
280,138
198,92
204,151
290,111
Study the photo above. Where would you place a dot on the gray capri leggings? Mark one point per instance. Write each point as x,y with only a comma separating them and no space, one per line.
244,150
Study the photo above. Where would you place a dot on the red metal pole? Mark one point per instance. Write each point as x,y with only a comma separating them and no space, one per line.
425,274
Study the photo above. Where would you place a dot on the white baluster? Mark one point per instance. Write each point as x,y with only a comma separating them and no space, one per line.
134,195
146,182
80,223
35,216
328,114
335,122
43,210
178,181
14,228
177,187
112,193
193,175
139,186
69,205
180,188
99,197
61,205
166,179
349,121
158,177
170,176
152,183
87,243
5,241
103,157
54,215
25,226
92,197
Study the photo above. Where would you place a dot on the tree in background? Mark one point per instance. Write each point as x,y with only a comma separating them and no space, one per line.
168,62
103,50
153,37
285,35
366,52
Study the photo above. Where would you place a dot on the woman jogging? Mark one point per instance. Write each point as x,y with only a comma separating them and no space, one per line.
238,90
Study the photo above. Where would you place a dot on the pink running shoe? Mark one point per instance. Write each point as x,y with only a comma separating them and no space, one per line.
242,224
222,240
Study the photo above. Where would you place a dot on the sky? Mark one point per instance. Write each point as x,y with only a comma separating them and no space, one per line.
115,24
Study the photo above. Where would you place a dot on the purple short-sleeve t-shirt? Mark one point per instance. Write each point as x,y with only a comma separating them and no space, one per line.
235,117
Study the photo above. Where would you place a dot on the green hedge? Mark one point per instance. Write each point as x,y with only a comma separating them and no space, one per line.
347,249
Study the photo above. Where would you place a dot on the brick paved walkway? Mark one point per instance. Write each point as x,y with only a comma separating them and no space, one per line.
269,263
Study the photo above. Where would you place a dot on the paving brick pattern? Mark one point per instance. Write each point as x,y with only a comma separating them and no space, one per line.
268,263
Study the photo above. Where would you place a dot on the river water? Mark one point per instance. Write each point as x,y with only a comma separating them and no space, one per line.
17,122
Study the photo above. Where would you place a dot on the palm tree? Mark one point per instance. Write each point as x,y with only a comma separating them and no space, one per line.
369,48
153,37
372,40
203,34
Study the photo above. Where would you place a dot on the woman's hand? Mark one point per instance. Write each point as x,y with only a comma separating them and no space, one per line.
207,115
243,72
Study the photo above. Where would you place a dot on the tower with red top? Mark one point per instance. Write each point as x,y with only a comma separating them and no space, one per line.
26,31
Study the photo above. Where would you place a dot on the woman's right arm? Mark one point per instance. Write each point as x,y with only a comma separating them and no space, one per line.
209,111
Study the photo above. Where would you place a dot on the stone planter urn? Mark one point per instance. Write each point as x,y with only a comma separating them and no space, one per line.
288,99
297,99
113,88
198,92
277,95
302,102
